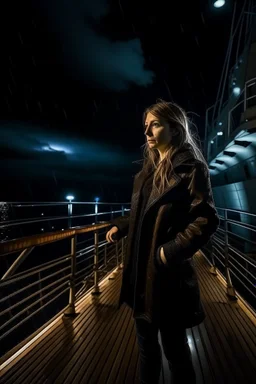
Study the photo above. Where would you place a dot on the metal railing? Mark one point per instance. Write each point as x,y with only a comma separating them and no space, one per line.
28,294
234,119
248,101
44,273
232,250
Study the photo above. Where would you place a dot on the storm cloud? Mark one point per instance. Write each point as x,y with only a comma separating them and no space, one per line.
27,147
90,56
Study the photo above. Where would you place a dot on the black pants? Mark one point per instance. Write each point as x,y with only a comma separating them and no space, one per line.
175,347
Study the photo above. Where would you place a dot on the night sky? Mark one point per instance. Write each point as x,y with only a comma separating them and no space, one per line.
77,77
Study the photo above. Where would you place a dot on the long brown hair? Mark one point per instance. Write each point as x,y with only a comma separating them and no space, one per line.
179,123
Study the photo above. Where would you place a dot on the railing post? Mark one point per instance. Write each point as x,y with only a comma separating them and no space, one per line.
105,255
69,213
96,290
231,293
122,255
71,308
213,270
245,96
122,242
229,122
117,258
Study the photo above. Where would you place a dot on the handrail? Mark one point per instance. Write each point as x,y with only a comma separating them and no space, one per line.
46,238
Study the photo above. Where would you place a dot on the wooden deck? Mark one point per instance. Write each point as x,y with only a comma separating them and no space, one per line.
99,345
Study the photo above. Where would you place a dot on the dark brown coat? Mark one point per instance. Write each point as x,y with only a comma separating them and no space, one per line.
183,219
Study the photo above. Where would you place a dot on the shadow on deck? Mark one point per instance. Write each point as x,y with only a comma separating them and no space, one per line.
99,345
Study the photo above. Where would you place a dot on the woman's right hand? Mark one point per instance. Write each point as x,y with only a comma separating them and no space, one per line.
111,235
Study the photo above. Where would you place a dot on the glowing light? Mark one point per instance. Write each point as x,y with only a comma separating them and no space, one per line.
236,91
220,122
97,199
70,197
220,133
56,148
212,142
219,3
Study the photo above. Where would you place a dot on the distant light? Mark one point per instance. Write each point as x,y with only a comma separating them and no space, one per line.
219,3
97,199
236,91
220,122
42,229
56,148
42,214
246,119
70,197
212,142
220,133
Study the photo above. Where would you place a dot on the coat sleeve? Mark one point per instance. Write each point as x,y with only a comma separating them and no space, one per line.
203,218
122,223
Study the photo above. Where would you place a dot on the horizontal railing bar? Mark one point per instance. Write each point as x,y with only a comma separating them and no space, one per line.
241,237
32,271
237,211
238,236
220,254
30,306
251,97
242,282
219,260
33,294
86,259
240,254
83,270
89,266
32,314
32,284
249,226
84,251
252,275
219,245
249,281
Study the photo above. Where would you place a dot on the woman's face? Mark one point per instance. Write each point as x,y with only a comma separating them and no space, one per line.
158,132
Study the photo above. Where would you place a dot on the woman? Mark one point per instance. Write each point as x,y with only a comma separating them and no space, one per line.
172,216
